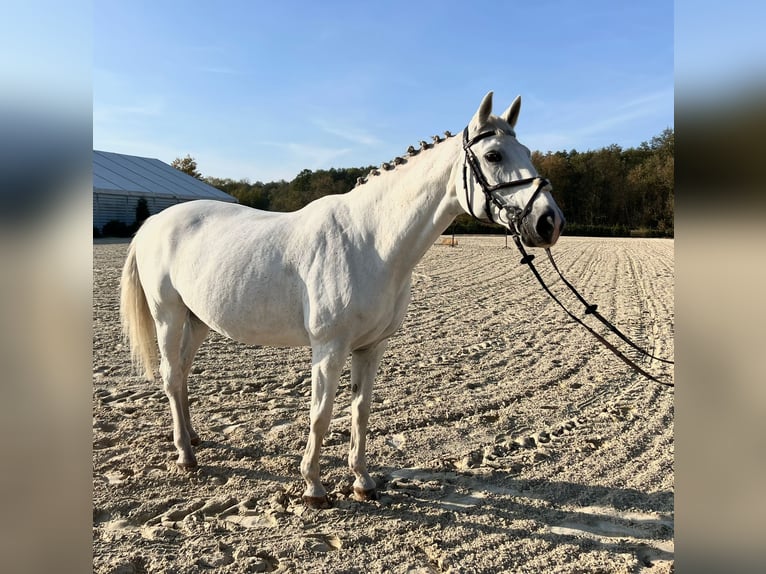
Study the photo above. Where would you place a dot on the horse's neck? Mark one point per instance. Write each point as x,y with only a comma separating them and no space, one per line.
405,210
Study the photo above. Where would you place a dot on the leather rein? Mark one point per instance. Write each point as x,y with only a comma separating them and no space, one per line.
515,218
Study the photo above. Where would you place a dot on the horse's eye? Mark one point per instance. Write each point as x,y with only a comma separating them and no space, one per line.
493,156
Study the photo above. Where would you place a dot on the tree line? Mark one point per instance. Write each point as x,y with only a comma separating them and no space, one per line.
610,191
282,195
615,191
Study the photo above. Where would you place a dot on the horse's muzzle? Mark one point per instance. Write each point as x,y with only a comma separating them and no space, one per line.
545,230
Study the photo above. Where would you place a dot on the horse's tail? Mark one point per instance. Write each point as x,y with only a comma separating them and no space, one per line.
137,322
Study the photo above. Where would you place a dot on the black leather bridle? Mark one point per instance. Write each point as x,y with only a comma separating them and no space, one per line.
515,215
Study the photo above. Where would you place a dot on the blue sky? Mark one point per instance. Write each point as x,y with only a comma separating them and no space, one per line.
261,90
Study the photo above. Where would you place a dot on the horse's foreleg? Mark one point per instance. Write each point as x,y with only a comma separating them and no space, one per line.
170,327
325,372
195,332
364,366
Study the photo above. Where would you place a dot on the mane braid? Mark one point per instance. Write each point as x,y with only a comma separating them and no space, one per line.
412,151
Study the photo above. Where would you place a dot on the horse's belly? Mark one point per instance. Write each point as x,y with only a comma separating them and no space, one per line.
283,337
274,319
278,323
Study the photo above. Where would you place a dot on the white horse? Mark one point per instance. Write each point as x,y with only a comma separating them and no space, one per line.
334,275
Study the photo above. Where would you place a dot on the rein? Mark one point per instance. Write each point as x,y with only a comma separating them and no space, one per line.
516,217
590,309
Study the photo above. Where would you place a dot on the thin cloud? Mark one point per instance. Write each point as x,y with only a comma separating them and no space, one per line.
222,70
109,112
285,159
581,121
353,135
644,106
316,156
652,100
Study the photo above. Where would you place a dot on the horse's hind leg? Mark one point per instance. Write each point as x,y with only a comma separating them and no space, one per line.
170,321
364,366
194,333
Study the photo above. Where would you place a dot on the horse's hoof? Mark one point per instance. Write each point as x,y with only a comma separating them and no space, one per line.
187,466
318,502
363,494
195,441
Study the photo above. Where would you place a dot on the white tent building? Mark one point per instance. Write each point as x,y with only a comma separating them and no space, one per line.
120,180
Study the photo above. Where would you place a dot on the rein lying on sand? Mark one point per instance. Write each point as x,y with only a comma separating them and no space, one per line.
591,309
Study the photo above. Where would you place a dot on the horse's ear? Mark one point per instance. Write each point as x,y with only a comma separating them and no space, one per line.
482,114
512,113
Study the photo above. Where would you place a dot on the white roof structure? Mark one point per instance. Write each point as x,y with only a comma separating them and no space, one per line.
120,181
119,174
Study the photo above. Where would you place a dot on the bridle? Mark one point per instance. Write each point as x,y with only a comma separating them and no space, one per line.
514,215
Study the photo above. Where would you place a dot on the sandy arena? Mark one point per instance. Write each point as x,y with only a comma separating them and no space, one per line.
503,437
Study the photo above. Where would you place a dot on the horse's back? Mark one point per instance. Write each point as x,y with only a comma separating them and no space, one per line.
188,217
187,233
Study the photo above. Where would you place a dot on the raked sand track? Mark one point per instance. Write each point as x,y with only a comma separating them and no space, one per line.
503,437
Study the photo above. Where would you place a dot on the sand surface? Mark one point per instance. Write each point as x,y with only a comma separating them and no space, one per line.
503,438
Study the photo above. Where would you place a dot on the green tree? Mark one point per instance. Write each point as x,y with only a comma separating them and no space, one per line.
612,190
188,165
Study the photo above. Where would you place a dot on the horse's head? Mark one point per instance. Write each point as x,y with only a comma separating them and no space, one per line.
498,182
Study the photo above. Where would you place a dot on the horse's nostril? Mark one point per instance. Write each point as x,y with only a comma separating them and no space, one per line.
545,225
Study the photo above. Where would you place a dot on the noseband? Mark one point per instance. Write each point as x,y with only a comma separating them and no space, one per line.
515,215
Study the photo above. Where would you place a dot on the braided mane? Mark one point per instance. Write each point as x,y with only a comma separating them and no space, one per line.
398,160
